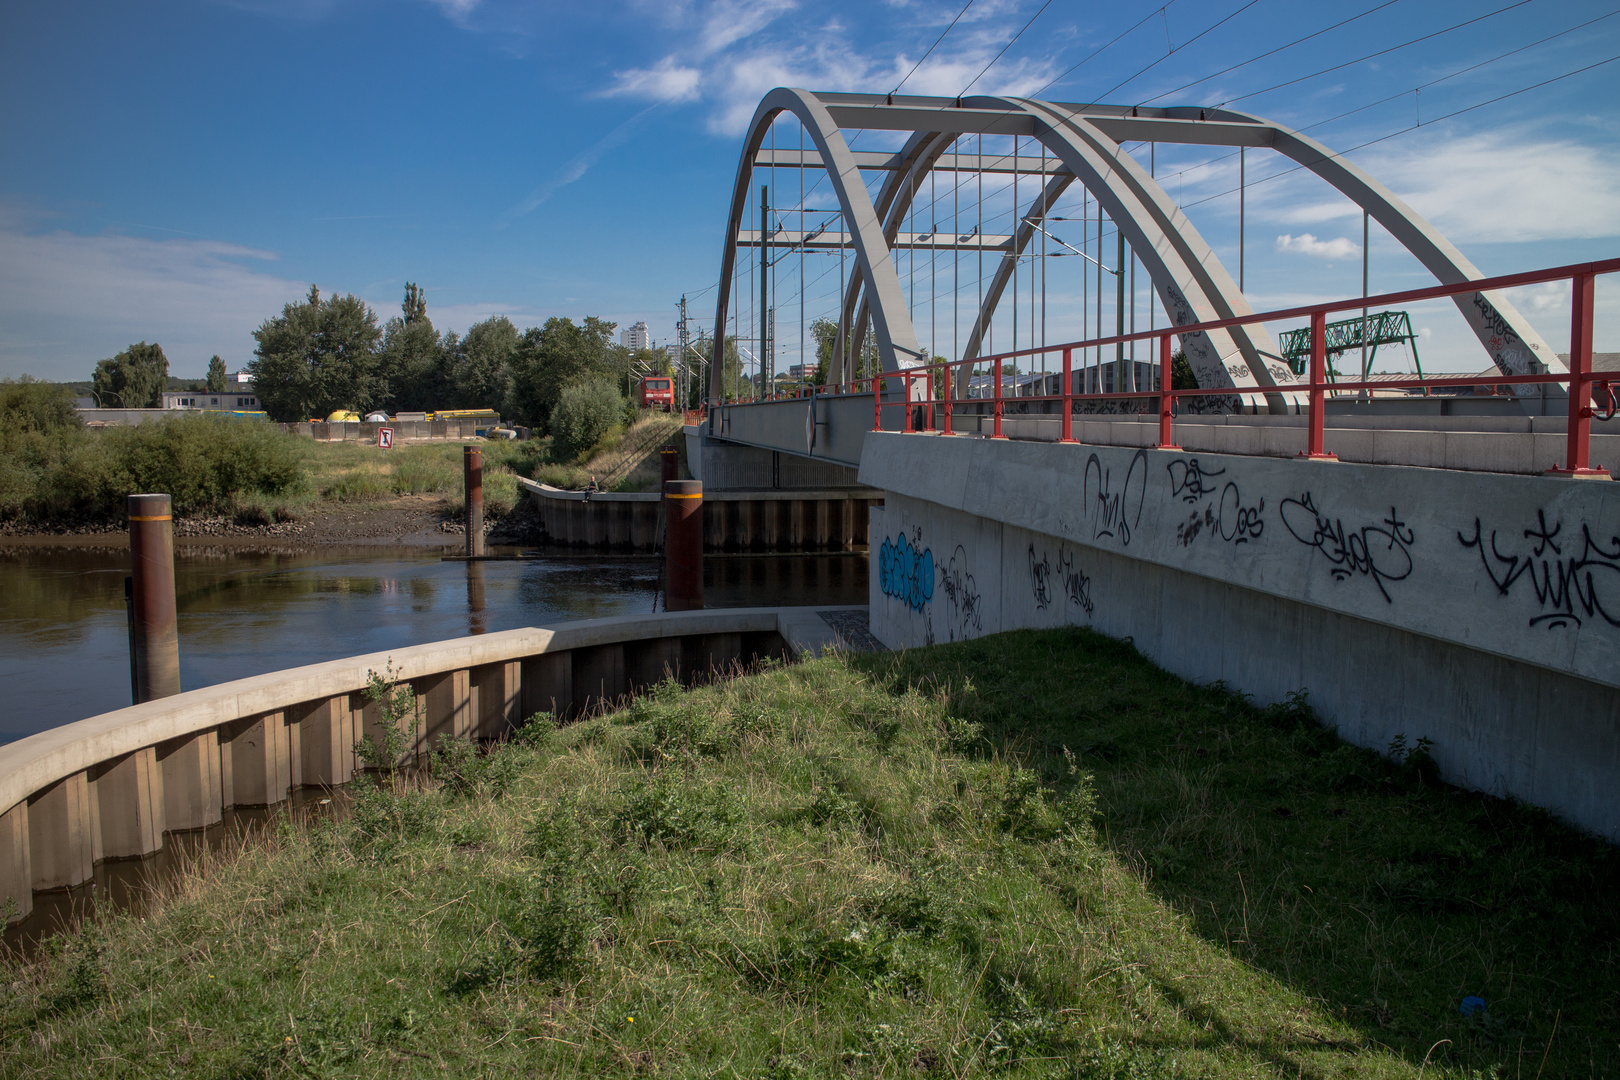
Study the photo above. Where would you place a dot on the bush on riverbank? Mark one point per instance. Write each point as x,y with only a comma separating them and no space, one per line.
53,471
205,463
908,865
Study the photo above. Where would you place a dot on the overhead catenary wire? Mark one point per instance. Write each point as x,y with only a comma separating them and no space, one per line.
931,48
1175,49
1009,45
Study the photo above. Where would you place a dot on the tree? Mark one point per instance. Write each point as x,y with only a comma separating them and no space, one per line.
552,357
134,379
482,365
316,357
415,362
583,414
1181,373
216,375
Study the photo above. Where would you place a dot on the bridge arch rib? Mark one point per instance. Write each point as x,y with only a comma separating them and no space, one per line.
891,321
1087,140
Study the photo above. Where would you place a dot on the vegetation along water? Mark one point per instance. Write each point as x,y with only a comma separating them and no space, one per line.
890,865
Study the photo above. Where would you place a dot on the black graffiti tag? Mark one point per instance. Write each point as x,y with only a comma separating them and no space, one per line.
1189,479
1115,514
1588,580
1227,518
1375,551
961,593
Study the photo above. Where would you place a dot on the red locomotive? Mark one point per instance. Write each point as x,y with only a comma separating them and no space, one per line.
658,392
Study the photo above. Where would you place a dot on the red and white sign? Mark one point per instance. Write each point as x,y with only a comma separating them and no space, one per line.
385,438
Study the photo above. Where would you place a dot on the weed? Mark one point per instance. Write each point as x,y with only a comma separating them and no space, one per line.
393,738
670,810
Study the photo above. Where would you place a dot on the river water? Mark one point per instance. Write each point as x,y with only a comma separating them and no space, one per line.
64,646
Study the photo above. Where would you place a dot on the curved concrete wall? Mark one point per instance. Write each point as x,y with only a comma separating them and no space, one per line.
110,787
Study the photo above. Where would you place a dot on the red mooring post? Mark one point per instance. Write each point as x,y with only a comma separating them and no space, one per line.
154,631
683,545
669,464
472,471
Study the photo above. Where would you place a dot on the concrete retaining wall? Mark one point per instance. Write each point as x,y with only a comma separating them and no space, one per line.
733,521
1481,612
405,431
112,786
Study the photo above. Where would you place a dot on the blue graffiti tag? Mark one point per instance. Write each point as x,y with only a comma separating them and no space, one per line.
906,573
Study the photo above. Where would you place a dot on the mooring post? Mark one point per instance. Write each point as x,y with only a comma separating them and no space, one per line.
683,545
669,464
472,469
155,632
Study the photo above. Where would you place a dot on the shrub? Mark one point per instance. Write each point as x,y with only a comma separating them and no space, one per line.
29,405
583,415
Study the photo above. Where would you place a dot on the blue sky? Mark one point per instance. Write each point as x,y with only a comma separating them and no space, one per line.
176,171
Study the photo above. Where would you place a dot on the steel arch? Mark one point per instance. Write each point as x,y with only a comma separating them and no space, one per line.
1192,283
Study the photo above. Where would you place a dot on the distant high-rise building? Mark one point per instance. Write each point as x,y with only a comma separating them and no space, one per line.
636,337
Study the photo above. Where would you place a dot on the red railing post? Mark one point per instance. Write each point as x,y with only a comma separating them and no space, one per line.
906,384
950,391
1314,449
877,403
1167,399
996,430
1578,438
1068,396
928,394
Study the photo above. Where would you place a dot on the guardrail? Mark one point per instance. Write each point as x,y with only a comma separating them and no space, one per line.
1580,378
111,786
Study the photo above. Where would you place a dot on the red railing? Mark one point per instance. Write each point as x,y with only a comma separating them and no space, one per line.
1580,376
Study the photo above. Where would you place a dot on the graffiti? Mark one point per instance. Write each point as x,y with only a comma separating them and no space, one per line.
1188,479
1040,579
1076,585
906,572
1375,551
1116,513
1043,576
1588,578
1227,518
1492,320
961,595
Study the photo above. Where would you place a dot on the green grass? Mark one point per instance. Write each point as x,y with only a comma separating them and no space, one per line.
1030,855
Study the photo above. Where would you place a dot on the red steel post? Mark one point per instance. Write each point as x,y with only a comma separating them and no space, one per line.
1578,439
1167,397
472,478
950,392
683,545
907,382
155,636
996,433
877,404
1068,396
1314,449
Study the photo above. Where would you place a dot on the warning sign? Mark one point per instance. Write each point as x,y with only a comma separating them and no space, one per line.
385,438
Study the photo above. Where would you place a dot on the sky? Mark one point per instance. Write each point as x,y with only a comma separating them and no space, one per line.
177,170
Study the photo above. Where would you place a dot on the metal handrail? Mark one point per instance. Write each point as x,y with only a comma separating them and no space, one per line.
1580,377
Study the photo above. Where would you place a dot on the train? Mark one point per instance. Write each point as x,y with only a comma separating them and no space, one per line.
658,392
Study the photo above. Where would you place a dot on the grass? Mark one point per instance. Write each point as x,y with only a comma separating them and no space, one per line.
625,459
1029,855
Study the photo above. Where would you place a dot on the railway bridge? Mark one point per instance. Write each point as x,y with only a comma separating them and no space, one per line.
1429,557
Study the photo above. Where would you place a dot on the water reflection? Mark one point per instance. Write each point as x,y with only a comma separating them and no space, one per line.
63,638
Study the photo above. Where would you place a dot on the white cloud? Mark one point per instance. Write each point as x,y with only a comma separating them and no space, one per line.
456,10
67,301
1306,244
730,21
579,166
1504,185
1508,185
667,80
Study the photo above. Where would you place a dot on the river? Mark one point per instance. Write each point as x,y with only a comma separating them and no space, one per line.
64,647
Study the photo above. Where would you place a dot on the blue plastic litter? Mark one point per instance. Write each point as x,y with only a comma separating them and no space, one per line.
1472,1005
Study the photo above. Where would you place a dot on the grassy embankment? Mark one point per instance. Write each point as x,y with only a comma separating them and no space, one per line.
56,472
1030,855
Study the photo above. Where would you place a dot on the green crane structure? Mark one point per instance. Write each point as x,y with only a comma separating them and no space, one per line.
1375,329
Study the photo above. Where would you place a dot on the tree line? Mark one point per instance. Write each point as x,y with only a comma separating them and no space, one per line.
327,353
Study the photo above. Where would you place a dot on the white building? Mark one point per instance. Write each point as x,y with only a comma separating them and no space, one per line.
231,400
636,337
